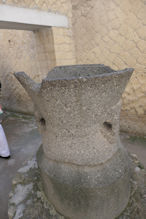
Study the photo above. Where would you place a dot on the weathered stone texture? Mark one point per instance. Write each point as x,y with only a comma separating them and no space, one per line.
33,52
82,161
27,199
26,203
113,32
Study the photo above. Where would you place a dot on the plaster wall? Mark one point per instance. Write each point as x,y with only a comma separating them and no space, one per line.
23,51
33,52
63,38
113,32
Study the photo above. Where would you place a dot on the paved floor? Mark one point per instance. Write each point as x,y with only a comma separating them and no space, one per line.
24,141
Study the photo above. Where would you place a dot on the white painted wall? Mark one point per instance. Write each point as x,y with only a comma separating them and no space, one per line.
29,19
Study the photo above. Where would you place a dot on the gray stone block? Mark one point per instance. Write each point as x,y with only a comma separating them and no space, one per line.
85,169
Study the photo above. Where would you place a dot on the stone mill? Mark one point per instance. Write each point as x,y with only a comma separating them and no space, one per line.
84,168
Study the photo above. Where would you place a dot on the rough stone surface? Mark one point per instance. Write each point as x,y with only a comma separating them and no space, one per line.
27,199
81,191
35,204
79,120
33,52
84,167
113,32
136,208
24,141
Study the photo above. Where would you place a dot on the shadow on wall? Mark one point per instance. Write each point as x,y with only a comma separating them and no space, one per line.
28,51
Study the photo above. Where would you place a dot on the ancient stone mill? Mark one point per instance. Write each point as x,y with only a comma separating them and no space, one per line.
85,171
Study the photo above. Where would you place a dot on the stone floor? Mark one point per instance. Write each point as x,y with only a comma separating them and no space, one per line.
24,141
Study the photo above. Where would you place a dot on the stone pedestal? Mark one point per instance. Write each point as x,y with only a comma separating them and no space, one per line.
28,201
85,169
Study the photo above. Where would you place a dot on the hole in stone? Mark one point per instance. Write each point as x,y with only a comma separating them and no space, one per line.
42,121
107,125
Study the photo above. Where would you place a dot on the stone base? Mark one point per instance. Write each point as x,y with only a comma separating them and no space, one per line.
28,201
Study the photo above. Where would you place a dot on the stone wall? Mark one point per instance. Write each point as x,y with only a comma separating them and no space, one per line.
33,52
113,32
